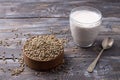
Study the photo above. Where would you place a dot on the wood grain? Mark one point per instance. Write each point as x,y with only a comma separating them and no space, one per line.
21,19
54,8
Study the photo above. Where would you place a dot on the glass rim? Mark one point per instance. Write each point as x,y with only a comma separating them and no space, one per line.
89,9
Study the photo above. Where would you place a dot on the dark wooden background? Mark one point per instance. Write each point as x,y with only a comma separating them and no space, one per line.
20,19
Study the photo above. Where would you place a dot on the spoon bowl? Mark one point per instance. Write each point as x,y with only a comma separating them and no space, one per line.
107,43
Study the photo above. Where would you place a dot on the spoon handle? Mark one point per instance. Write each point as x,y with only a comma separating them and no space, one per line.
93,64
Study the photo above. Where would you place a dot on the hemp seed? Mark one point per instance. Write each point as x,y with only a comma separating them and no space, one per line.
43,48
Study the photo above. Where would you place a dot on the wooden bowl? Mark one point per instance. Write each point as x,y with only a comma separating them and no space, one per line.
43,65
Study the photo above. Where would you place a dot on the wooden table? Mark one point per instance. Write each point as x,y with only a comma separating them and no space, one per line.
21,19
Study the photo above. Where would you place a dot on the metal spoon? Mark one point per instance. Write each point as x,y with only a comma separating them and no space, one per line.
106,44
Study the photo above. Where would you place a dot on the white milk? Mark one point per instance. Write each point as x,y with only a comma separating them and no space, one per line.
84,26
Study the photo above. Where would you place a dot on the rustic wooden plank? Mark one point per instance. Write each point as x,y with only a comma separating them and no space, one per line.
16,31
54,8
40,0
72,69
39,13
54,0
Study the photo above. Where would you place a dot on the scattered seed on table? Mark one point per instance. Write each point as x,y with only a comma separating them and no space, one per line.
14,38
73,50
1,42
2,69
17,71
21,33
13,57
36,73
3,58
5,62
4,52
16,35
19,43
13,30
9,69
20,54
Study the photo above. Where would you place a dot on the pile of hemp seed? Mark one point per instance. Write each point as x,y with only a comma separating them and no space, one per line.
43,47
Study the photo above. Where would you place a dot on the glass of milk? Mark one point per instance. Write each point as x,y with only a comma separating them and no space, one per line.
85,25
